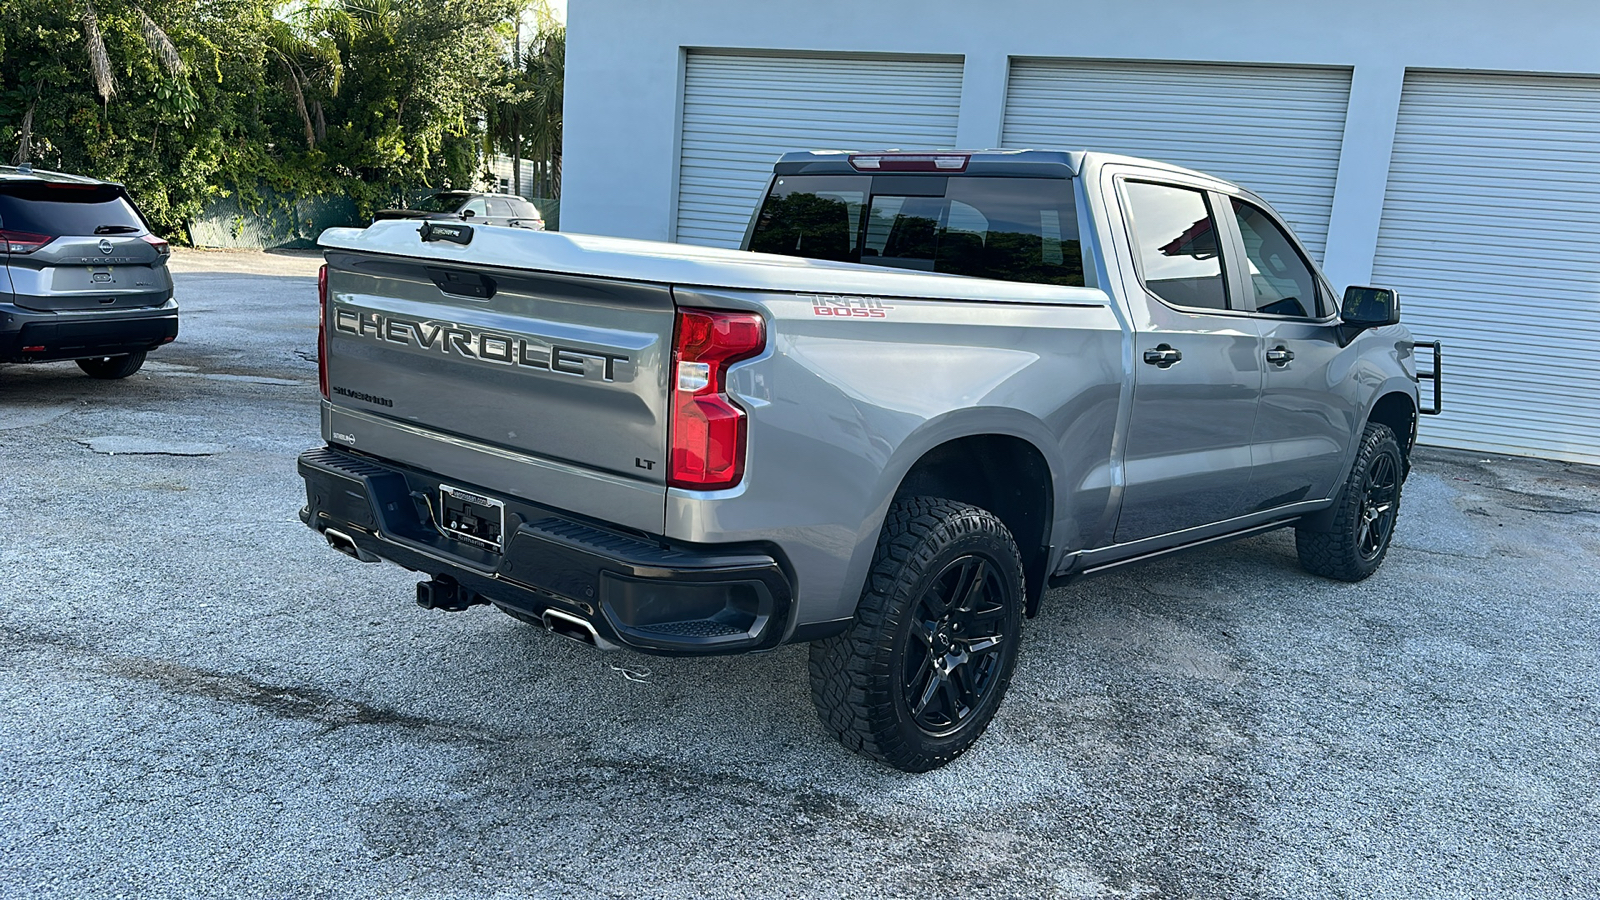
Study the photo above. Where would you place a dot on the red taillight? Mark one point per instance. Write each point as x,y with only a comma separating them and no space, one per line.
322,330
910,162
162,247
708,432
23,241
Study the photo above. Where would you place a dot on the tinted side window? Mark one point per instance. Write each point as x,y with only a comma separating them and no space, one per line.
1013,229
58,210
1280,277
476,206
500,209
1175,239
812,216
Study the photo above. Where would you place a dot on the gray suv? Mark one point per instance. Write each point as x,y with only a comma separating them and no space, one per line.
81,276
484,209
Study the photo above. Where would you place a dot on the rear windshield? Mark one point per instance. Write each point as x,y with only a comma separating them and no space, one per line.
1014,229
67,210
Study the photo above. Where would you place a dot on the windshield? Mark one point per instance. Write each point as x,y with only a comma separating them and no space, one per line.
1014,229
448,201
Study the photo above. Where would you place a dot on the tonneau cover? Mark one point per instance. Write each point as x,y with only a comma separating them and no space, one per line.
689,266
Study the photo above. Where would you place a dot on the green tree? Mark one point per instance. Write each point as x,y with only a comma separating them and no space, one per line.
110,88
525,123
188,100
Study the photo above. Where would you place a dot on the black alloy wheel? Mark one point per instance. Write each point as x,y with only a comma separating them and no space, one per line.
1378,507
959,627
918,676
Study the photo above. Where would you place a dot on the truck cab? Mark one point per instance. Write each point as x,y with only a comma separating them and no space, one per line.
1242,398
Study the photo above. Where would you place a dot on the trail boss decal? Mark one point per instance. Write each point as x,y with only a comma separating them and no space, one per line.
849,307
484,346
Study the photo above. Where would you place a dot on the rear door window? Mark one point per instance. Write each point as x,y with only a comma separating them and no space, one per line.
58,210
1014,229
500,209
1175,240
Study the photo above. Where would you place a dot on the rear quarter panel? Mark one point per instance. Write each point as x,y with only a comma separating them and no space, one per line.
842,405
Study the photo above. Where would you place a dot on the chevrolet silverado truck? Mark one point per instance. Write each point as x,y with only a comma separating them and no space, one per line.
928,388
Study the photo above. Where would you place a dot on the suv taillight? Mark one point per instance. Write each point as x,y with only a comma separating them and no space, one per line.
708,431
23,241
322,330
162,247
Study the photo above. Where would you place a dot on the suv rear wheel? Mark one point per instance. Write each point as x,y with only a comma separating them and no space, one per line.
920,673
112,366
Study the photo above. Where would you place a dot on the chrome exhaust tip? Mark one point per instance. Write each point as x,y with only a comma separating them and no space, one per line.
345,544
575,627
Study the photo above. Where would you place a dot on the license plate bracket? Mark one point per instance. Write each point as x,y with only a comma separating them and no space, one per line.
471,517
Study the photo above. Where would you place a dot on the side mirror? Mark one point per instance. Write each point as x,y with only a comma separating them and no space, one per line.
1370,307
467,214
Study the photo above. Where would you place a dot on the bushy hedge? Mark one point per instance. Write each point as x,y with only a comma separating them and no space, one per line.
190,100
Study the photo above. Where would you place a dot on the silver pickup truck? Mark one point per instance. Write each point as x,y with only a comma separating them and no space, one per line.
941,384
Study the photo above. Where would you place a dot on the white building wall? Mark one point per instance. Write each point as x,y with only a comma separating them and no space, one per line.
625,65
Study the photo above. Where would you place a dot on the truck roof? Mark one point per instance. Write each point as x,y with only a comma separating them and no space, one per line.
1035,163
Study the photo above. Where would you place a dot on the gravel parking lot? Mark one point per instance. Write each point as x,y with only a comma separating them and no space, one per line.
200,699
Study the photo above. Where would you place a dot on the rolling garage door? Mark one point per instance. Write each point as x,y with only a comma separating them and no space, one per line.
741,111
1491,234
1274,129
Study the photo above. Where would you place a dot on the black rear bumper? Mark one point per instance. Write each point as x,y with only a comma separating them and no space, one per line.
635,591
31,336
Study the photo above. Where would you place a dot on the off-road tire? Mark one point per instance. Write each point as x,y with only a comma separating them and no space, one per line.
858,678
110,367
1343,551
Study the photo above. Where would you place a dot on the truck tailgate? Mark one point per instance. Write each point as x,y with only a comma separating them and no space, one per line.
558,381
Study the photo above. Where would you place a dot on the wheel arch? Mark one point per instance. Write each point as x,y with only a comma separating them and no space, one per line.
1004,473
1398,410
1393,405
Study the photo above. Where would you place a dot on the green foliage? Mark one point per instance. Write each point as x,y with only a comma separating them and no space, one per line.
190,100
526,122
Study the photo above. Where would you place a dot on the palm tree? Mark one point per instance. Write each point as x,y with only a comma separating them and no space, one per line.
527,120
160,46
105,82
545,71
301,36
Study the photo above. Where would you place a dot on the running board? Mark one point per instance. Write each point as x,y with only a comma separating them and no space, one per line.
1059,580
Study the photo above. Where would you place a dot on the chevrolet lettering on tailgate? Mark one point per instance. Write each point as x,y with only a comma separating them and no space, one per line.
484,346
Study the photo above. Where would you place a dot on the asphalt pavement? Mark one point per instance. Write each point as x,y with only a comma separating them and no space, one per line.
199,699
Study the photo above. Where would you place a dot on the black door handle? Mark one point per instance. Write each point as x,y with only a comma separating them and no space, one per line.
1280,356
1163,356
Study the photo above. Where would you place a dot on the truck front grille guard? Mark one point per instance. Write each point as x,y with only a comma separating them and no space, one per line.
1434,374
